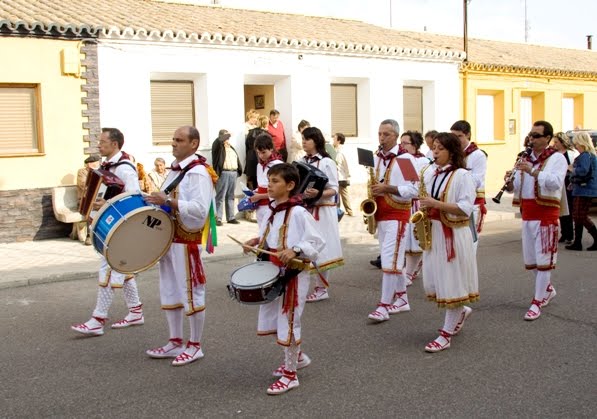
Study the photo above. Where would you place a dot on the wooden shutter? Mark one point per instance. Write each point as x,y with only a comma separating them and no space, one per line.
171,108
412,98
344,109
19,130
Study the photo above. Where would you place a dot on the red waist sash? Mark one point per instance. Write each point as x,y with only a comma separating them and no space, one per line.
387,213
530,210
265,201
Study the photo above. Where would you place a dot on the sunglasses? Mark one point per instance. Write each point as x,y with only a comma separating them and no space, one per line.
536,135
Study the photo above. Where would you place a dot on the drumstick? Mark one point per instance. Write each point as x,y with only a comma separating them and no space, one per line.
258,250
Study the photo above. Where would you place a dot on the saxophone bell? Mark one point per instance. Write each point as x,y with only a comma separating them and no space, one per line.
368,207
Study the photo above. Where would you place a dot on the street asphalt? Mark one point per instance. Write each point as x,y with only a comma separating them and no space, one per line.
498,366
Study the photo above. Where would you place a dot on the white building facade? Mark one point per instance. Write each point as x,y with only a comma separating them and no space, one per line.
298,73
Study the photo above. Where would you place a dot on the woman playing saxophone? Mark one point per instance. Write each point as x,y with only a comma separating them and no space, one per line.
449,266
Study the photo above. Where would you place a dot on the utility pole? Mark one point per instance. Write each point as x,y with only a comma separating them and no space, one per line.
390,13
526,23
465,10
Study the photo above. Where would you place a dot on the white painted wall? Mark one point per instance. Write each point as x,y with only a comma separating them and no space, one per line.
301,90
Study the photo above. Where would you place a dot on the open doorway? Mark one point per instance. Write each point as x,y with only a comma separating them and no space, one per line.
259,97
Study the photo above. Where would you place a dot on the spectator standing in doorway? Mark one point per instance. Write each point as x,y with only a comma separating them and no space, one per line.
343,172
276,130
296,145
228,167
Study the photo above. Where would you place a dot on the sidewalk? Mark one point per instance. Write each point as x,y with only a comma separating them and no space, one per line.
38,262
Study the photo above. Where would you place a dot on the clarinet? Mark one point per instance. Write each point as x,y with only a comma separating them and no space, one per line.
523,155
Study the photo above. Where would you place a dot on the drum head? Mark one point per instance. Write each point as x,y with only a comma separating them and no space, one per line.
139,240
254,275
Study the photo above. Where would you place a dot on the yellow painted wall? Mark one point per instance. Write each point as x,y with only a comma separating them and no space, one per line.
33,60
547,105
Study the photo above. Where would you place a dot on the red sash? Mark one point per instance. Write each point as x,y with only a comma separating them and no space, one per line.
532,211
265,201
434,214
386,213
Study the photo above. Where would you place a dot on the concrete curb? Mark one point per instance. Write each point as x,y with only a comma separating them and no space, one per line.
226,253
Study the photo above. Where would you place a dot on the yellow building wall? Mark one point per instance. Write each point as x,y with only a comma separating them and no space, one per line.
547,105
34,60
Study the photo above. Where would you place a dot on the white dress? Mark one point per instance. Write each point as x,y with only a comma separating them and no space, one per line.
451,283
326,218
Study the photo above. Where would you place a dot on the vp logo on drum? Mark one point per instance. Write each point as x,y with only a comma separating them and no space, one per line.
152,222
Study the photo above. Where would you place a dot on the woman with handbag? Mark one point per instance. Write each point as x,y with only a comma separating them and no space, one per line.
563,145
584,189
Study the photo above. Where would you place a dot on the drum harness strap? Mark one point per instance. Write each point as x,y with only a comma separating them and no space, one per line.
196,267
124,159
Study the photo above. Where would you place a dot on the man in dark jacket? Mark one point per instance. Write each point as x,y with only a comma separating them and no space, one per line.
227,165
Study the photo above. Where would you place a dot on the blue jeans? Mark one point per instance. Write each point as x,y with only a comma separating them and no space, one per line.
225,192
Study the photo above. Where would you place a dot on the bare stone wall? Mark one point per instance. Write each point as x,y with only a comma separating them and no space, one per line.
27,214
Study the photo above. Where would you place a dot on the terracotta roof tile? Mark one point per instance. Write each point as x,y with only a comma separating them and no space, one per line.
152,15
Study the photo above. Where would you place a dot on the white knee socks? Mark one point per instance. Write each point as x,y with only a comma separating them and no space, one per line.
131,293
291,356
174,318
105,295
542,280
196,321
318,282
412,264
451,319
389,284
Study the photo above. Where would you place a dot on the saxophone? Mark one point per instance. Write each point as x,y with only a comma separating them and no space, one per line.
421,220
369,206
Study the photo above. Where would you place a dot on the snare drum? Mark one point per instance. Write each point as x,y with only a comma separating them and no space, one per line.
131,235
252,283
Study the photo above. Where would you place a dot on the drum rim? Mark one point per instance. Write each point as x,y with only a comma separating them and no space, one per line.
263,285
105,207
115,227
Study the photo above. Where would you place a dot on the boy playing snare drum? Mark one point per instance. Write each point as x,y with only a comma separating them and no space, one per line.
290,231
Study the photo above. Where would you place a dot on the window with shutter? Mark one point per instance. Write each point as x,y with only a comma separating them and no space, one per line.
412,98
344,109
20,122
172,106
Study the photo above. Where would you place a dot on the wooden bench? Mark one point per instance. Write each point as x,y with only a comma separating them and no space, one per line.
66,204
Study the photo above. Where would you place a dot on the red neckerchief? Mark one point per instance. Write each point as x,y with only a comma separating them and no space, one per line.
418,154
449,168
542,157
272,157
389,156
106,165
470,148
292,201
199,160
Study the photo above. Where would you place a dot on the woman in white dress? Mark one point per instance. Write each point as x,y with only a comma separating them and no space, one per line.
449,266
324,211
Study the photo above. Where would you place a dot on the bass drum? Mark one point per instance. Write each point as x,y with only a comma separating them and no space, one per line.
131,234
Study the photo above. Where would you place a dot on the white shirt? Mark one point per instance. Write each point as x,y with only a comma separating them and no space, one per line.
550,179
301,232
195,194
477,163
406,189
343,171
